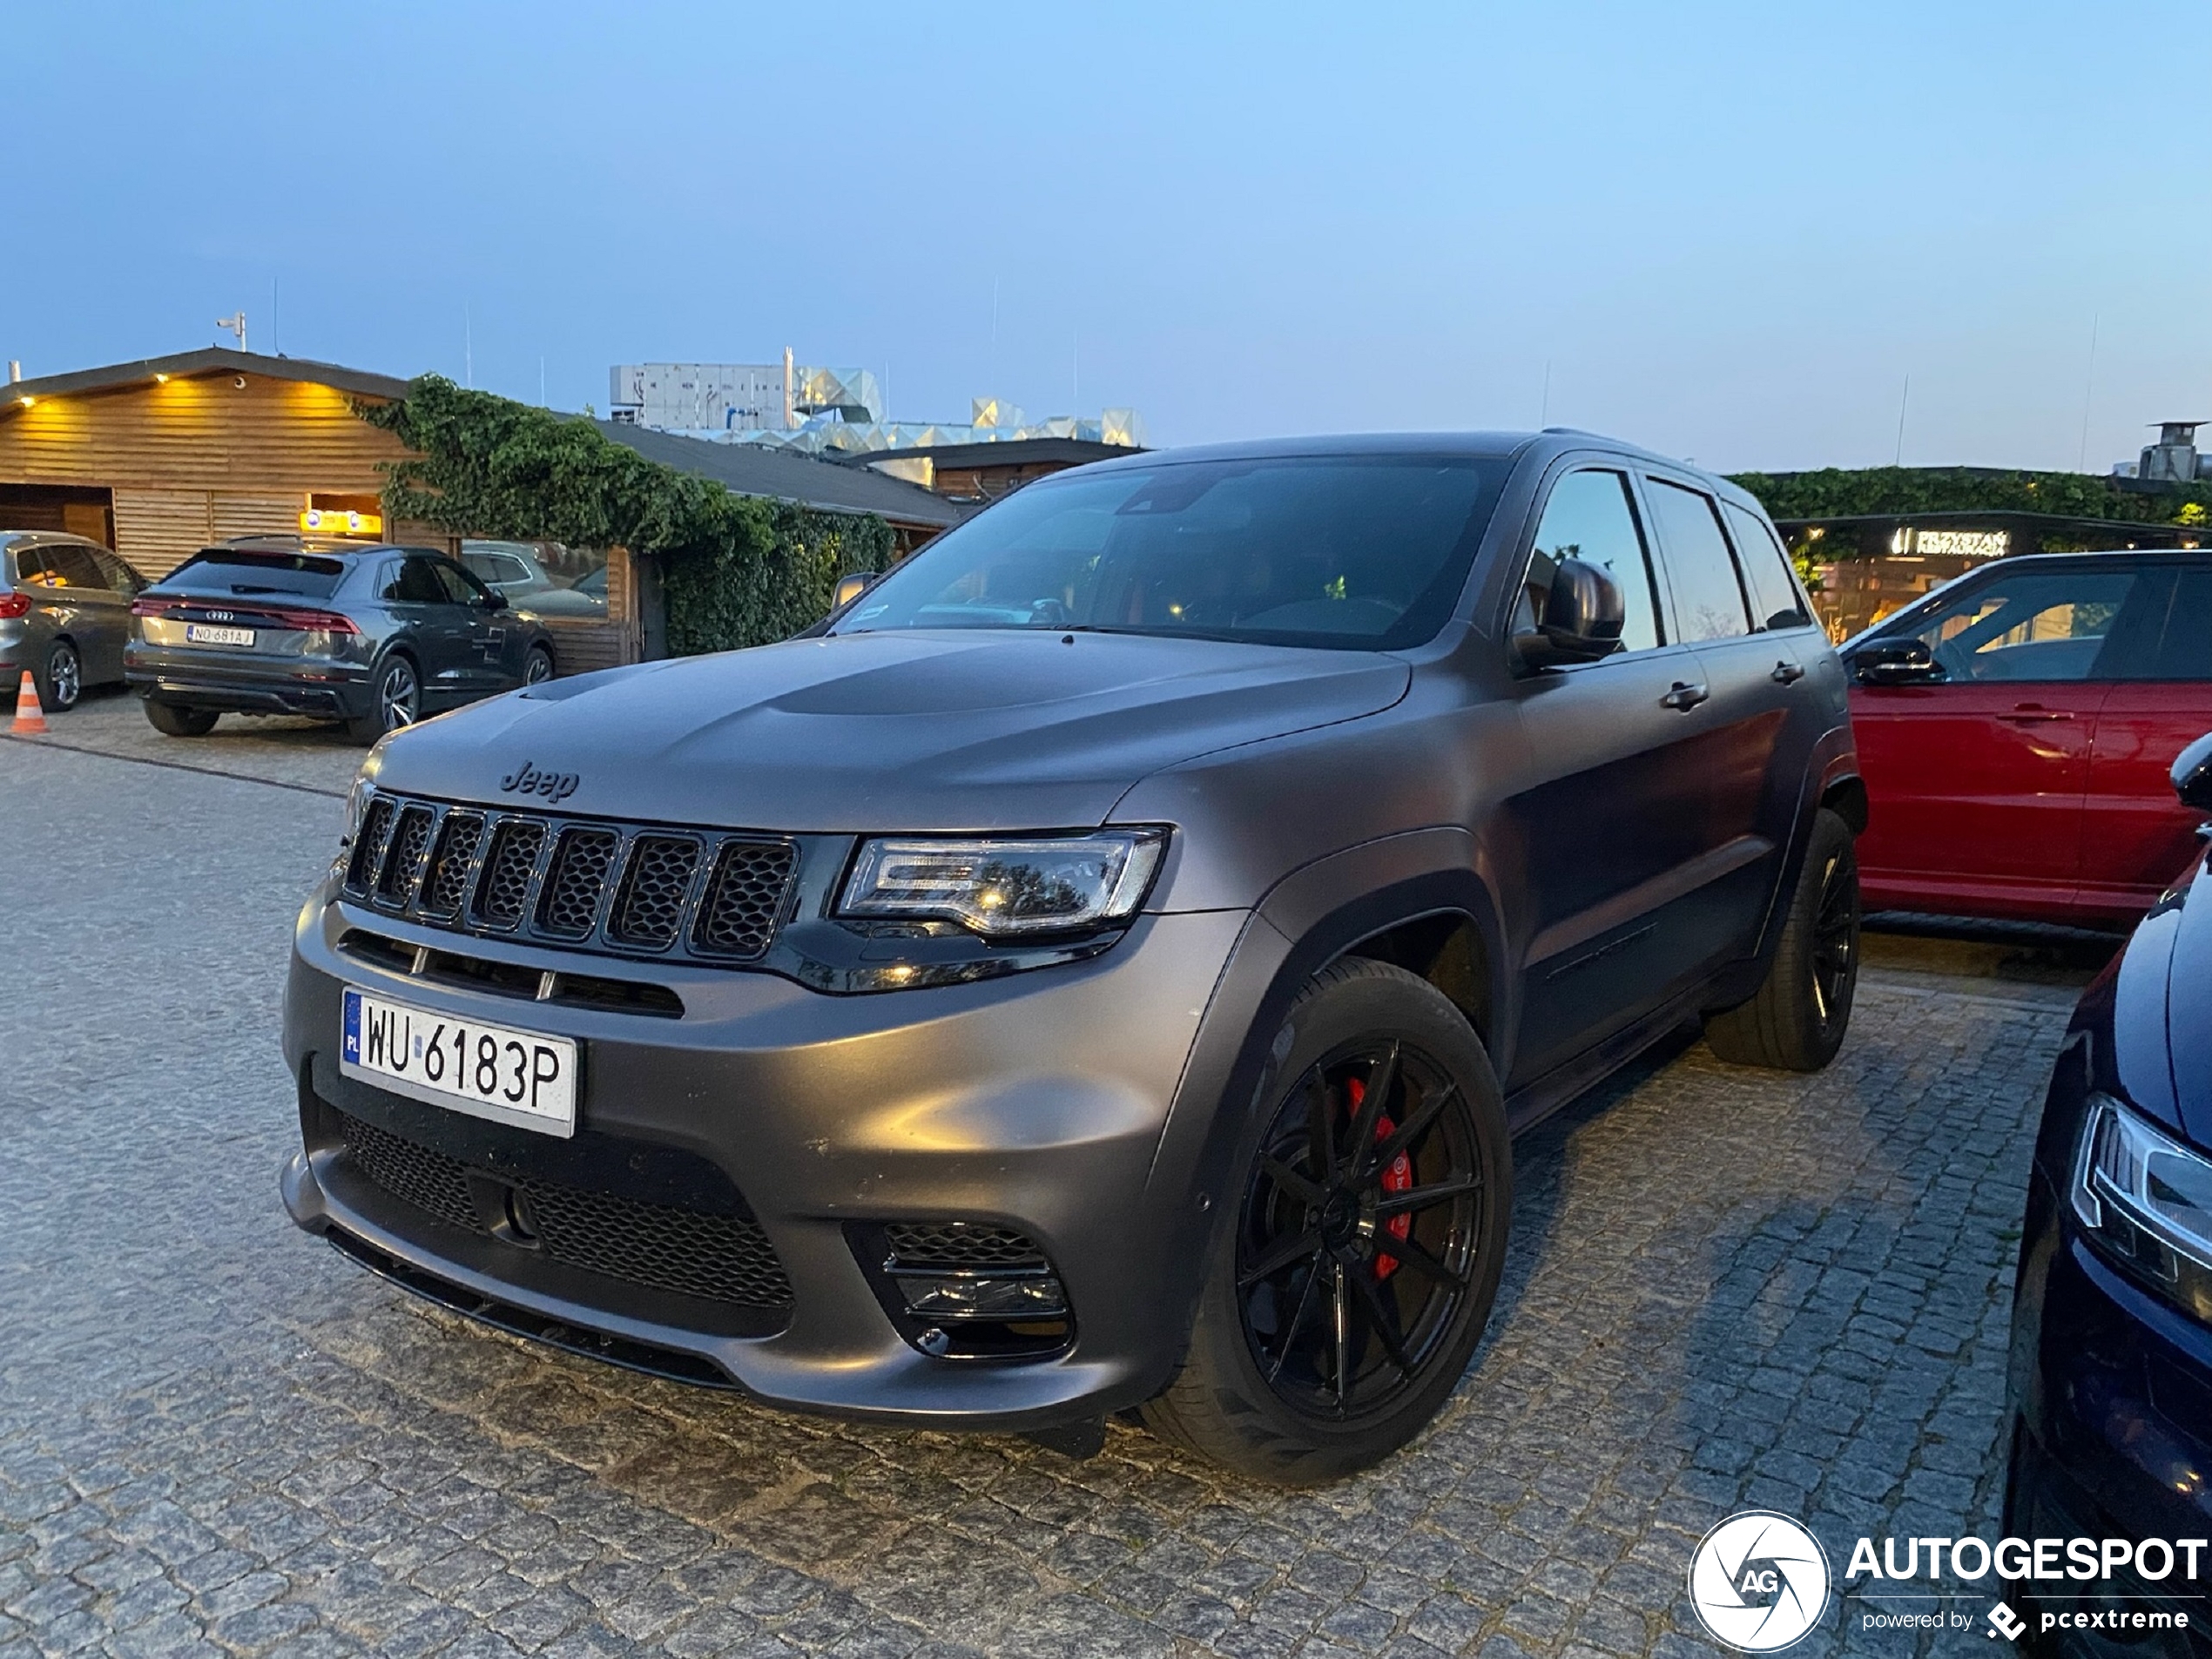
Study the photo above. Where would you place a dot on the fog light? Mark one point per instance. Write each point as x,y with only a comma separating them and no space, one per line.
1033,1296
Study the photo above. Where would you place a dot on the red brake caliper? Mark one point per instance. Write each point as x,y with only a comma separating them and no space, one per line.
1398,1178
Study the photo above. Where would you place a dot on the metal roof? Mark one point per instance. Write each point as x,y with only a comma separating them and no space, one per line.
212,359
1002,452
784,475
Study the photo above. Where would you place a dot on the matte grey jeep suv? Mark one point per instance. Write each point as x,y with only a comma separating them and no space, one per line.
1103,966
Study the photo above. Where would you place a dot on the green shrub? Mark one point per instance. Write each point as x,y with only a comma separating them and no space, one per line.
735,571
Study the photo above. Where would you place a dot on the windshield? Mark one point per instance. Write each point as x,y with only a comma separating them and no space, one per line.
1353,552
235,570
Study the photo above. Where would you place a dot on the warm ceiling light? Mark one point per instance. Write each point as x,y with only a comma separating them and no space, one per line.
161,380
26,401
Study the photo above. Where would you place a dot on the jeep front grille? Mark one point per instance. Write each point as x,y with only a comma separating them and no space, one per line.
580,884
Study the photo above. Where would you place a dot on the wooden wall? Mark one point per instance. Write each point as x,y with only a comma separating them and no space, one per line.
195,460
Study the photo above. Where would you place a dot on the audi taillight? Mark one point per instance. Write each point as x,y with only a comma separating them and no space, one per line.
13,604
309,622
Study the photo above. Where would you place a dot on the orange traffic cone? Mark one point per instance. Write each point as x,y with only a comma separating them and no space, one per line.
31,719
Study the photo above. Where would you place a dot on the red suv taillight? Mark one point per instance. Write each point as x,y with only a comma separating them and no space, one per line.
300,618
14,605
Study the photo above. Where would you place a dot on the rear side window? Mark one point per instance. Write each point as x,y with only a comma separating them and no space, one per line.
238,569
1588,517
2046,625
2185,648
30,564
1775,601
416,582
70,566
1709,600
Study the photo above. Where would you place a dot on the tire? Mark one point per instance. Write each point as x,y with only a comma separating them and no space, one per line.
178,720
537,667
1796,1020
63,684
395,700
1272,1395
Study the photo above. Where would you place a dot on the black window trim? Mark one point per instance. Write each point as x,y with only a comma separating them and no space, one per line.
1640,516
1789,566
1646,475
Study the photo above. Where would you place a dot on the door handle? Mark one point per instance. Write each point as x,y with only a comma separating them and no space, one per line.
2028,714
1788,673
1685,696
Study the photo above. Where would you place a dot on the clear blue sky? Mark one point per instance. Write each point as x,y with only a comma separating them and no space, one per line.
1731,230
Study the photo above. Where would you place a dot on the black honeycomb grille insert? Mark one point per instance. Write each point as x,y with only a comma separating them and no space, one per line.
569,907
506,886
433,1182
410,840
368,845
582,884
715,1258
446,883
721,1259
744,898
648,911
960,1244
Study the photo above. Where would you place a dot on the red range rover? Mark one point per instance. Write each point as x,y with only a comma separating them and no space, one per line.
2015,728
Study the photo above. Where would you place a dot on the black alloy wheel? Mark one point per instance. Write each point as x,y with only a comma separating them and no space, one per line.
64,676
1797,1018
1359,1225
1360,1245
537,668
395,702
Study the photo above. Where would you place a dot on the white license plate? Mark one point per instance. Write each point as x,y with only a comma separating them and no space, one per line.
525,1078
201,633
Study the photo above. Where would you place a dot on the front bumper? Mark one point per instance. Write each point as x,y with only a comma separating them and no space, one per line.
1038,1102
2112,1401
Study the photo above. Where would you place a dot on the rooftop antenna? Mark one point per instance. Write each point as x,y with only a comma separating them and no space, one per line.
1903,401
272,317
2088,391
469,347
1544,417
236,323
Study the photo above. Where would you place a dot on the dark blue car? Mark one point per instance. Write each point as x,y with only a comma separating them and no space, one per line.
2111,1373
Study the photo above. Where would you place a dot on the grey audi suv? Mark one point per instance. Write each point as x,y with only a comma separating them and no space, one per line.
370,637
1102,965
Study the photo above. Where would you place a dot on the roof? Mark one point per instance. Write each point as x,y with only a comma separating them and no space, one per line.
212,359
1003,452
783,475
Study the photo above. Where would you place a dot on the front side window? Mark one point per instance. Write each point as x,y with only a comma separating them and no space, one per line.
2043,626
1775,600
1709,600
1353,552
2185,650
1589,517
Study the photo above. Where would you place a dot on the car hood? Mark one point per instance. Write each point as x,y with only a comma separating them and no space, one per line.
907,731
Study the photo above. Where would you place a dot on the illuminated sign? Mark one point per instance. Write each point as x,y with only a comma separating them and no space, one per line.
1969,544
332,521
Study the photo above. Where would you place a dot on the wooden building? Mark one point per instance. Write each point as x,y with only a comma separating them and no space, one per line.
158,458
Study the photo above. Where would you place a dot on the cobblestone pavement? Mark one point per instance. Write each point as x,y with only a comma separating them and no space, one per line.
1727,1288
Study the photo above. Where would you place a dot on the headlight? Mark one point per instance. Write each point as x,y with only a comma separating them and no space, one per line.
1057,884
357,805
2146,1199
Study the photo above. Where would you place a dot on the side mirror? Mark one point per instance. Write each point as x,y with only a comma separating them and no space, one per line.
1896,662
495,600
2192,774
1583,611
850,588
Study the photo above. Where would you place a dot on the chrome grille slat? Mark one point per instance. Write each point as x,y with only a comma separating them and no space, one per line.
580,884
